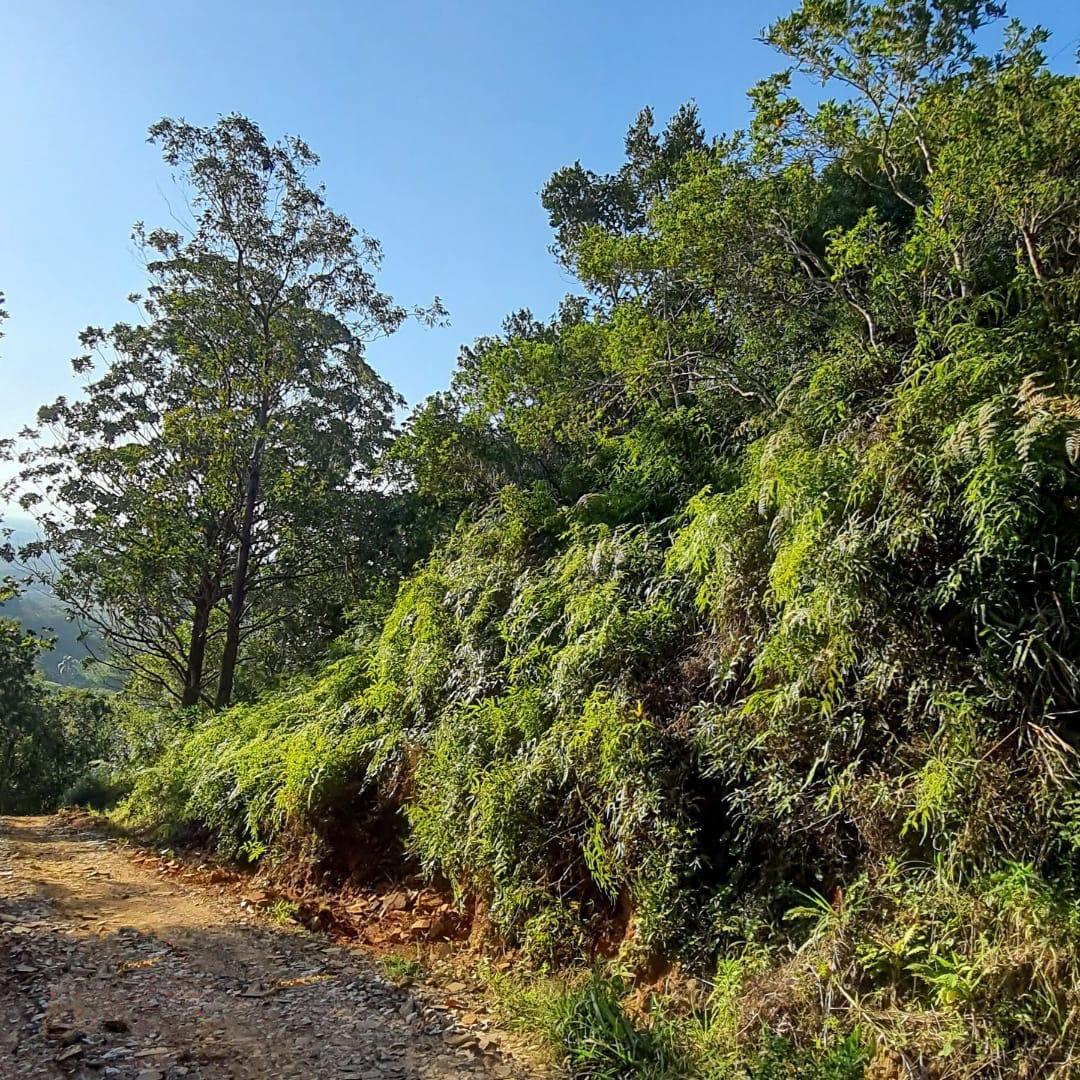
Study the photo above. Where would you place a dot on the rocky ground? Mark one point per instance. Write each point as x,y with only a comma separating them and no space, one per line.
110,968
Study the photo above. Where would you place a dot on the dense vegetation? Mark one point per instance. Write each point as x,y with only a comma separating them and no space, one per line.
55,743
729,618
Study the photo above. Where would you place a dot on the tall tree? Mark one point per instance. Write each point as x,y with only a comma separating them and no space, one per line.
280,300
228,450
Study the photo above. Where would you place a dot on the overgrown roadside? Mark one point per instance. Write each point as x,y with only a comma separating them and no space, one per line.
110,969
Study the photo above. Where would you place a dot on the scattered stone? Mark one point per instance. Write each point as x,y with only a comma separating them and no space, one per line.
459,1039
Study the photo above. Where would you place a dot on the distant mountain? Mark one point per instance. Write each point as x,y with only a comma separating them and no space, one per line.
36,609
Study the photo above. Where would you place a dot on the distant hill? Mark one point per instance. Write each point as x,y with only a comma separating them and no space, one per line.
39,611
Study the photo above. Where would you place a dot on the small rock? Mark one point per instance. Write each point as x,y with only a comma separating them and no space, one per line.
458,1039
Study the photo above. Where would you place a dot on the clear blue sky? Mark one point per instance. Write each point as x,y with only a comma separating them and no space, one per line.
437,125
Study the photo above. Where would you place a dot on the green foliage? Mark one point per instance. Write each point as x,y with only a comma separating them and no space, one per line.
535,817
250,773
400,969
601,1041
21,713
594,1029
283,912
750,636
100,788
585,1022
49,738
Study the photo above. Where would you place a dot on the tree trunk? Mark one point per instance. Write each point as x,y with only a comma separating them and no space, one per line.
238,593
6,802
196,658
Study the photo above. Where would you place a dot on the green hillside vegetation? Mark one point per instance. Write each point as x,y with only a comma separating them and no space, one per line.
57,744
726,622
73,659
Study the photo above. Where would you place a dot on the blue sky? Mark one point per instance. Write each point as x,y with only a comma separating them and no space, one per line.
437,125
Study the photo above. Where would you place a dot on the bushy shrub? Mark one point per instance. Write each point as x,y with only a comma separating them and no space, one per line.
49,736
251,773
99,788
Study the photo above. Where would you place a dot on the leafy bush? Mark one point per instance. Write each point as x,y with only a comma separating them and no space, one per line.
49,736
602,1042
253,772
98,789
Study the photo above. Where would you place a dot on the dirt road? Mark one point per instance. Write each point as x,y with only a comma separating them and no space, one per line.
110,970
